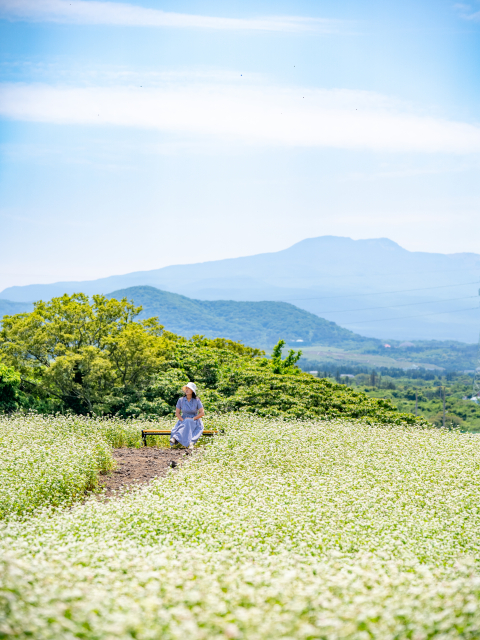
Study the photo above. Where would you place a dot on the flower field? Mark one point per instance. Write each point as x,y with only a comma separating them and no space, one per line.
329,530
55,460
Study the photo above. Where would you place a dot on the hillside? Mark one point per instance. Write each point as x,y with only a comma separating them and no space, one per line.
8,307
374,287
147,369
261,324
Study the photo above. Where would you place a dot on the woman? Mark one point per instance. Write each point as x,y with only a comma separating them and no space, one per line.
189,412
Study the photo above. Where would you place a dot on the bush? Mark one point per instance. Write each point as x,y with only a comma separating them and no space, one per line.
92,357
451,421
229,381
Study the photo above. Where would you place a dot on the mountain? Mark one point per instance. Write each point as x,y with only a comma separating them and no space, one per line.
9,308
373,286
260,324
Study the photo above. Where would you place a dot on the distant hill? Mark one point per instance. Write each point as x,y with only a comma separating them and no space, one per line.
259,324
263,323
9,308
373,286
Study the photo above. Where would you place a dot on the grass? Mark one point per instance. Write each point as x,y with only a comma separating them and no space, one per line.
332,529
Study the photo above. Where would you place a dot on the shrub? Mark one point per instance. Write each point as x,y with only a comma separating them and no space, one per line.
451,421
92,357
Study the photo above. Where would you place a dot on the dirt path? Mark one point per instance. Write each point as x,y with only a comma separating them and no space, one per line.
140,466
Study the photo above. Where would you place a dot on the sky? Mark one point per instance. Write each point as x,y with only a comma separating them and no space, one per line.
135,135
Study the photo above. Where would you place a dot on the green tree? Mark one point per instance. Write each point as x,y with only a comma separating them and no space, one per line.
287,365
230,380
88,354
95,356
451,421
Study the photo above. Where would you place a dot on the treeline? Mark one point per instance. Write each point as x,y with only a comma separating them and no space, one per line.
76,355
417,391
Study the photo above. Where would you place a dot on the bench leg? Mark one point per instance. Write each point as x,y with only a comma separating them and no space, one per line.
144,438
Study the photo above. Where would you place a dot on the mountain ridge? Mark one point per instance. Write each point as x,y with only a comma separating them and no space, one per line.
10,307
261,324
372,285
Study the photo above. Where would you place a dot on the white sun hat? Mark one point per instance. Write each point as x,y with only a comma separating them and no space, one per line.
192,386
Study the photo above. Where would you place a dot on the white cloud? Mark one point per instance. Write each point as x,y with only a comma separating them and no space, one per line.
119,13
249,114
467,12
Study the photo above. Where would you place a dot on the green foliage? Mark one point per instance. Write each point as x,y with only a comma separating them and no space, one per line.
258,323
9,384
228,345
88,355
451,421
460,412
287,365
448,354
229,381
93,357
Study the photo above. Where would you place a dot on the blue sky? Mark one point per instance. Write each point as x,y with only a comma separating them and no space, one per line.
138,135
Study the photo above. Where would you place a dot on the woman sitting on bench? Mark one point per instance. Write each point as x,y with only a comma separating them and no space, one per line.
189,412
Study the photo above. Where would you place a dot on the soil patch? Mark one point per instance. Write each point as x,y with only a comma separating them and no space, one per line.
140,466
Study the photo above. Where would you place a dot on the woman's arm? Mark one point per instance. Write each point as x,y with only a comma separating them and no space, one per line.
201,412
178,413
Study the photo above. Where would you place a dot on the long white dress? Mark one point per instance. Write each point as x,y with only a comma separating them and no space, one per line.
188,431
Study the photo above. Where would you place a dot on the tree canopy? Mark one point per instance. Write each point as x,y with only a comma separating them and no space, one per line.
83,353
95,356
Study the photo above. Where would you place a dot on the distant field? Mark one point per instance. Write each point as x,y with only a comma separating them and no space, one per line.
334,354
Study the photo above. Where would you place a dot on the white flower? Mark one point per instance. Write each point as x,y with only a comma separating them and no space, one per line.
331,529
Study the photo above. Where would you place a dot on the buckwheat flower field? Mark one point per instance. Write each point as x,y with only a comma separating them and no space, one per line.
54,460
330,529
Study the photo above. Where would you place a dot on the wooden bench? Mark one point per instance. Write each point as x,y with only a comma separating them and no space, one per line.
167,432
